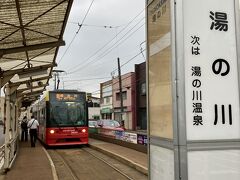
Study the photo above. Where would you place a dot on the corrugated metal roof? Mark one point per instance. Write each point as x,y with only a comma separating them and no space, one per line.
30,33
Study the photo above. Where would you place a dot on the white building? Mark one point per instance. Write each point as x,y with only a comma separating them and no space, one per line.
93,108
106,104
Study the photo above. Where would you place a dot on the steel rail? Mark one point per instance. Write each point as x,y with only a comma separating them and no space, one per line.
104,161
70,170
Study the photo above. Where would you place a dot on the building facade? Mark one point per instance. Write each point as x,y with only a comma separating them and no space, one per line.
93,108
129,100
106,103
141,105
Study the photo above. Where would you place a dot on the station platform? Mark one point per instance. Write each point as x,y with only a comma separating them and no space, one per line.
35,163
31,163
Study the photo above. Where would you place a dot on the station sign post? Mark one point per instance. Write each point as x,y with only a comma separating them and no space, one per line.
205,110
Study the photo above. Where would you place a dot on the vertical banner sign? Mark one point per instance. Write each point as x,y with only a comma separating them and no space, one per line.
211,70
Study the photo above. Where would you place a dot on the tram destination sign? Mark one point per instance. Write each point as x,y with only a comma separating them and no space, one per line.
66,96
211,70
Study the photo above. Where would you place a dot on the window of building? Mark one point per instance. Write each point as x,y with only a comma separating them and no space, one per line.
107,99
143,88
96,104
124,95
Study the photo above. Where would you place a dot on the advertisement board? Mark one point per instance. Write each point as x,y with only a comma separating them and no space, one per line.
119,135
129,137
142,139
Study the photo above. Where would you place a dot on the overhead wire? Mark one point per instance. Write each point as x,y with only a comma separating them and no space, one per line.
107,42
80,26
129,60
122,64
77,80
125,86
74,82
128,76
118,43
106,52
110,77
123,57
96,26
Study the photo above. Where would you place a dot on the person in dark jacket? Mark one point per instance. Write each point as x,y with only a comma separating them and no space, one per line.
24,135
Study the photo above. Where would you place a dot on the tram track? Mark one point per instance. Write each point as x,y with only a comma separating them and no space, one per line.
68,168
113,167
86,163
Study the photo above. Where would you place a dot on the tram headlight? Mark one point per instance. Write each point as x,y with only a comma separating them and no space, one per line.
52,131
84,130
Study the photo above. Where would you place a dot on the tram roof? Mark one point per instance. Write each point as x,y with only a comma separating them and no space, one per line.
31,32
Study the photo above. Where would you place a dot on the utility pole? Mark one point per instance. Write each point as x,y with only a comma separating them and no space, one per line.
55,81
56,78
120,90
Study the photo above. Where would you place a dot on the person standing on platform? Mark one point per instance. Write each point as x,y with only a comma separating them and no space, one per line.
33,126
24,127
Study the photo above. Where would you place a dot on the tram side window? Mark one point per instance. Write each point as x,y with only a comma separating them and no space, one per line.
42,115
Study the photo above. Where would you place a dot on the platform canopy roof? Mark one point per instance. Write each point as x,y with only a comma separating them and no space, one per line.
31,32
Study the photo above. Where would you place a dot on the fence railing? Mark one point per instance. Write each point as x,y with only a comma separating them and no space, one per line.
2,153
12,152
8,153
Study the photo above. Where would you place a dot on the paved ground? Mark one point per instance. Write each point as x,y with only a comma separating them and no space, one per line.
77,163
31,164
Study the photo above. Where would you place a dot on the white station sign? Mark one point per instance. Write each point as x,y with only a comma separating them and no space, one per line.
211,70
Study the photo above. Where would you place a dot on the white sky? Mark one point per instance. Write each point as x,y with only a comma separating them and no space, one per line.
90,39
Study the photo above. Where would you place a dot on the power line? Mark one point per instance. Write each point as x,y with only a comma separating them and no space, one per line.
125,86
96,26
115,45
80,26
112,71
90,79
123,57
99,90
108,41
129,60
86,79
108,50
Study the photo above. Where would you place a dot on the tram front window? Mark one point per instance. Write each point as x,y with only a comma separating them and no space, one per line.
67,114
